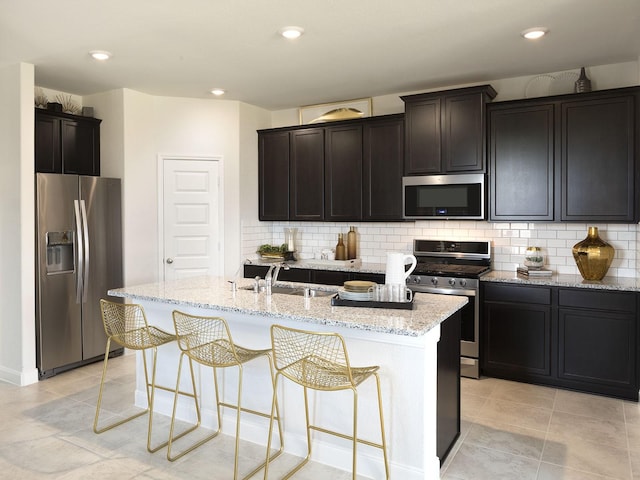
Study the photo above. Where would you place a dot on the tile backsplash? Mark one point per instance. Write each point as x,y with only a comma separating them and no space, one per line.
509,240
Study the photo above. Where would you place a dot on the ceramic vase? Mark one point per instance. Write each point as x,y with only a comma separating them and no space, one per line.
593,256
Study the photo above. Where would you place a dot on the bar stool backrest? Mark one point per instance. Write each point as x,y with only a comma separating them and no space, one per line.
314,359
126,323
205,339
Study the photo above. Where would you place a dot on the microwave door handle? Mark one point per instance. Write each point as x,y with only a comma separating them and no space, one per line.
79,267
85,234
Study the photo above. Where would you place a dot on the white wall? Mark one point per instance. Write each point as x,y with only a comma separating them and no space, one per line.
137,128
601,76
17,276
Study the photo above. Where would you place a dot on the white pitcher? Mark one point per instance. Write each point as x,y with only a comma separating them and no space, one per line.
396,262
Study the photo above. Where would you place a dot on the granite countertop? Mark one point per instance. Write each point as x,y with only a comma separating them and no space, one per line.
216,293
555,280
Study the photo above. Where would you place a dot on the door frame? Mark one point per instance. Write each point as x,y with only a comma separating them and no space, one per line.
160,183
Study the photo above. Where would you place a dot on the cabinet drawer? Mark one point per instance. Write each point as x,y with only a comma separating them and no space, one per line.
516,294
325,277
590,299
301,275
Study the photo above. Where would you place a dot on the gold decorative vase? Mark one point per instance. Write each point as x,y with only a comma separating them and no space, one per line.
593,256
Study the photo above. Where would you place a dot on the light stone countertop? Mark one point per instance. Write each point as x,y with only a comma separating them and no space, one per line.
215,293
576,281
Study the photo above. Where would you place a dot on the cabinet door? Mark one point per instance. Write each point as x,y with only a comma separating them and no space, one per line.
598,159
343,173
252,271
521,162
48,155
597,341
80,147
368,277
463,133
422,137
382,169
327,277
517,340
307,174
273,175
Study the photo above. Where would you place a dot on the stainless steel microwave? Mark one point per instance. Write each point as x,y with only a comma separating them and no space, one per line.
444,197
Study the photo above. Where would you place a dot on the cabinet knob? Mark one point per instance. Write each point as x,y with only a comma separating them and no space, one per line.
169,261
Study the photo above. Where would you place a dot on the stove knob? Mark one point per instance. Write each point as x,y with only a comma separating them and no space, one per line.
452,282
417,279
434,280
463,282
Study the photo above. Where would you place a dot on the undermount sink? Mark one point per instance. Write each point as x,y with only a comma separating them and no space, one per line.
299,291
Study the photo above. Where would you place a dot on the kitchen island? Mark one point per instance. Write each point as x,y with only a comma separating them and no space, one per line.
402,342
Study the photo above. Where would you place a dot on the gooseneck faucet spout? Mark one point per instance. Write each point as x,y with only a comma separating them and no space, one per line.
272,275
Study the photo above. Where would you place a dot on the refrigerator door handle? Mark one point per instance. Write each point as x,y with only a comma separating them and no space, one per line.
79,251
85,234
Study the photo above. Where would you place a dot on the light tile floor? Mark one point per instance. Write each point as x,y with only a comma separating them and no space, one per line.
518,431
509,431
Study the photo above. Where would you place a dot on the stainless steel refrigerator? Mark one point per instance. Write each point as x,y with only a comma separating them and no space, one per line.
78,258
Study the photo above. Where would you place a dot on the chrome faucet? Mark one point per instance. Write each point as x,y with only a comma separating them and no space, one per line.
272,275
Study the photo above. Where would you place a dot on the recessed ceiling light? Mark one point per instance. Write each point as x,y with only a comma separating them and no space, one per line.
291,33
217,92
534,33
100,54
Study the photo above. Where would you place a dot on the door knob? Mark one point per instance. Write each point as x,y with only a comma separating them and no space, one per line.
169,261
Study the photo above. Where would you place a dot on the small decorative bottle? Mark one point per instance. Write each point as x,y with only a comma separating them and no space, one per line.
583,84
341,251
351,244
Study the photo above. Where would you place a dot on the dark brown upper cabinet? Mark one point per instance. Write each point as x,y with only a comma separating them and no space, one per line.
307,174
383,140
521,144
66,143
445,131
341,171
598,158
273,175
565,158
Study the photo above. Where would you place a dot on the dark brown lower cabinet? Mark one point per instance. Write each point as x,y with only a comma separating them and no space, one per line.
448,396
308,275
517,331
597,341
576,338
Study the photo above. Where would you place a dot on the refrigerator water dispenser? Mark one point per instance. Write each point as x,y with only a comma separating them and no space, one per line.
59,252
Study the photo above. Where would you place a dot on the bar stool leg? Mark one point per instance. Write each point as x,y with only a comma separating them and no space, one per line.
100,392
383,442
194,395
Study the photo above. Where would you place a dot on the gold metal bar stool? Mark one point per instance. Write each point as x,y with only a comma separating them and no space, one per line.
207,341
320,361
126,324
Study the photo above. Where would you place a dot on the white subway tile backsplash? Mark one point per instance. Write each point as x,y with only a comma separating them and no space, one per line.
509,240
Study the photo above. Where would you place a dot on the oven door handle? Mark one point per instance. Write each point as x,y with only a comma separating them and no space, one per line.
446,291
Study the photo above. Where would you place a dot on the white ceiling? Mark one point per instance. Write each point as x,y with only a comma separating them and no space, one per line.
350,49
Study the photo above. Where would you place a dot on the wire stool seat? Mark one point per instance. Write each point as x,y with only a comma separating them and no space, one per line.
126,324
208,341
320,361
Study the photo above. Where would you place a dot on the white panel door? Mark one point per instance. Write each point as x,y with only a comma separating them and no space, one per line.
191,223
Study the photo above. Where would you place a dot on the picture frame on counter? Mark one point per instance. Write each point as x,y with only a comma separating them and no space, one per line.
331,112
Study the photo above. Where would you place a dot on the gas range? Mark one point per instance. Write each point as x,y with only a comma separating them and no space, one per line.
449,264
454,268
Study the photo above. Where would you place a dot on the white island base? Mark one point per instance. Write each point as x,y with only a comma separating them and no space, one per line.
408,372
